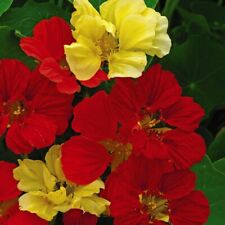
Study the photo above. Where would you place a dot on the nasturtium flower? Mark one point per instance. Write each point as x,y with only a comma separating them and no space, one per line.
47,47
47,191
101,144
32,111
148,192
9,194
161,120
120,36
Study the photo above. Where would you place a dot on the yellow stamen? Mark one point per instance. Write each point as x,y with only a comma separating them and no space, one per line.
108,44
119,151
152,125
156,207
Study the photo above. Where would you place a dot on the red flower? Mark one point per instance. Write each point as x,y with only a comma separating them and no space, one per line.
146,192
9,208
77,217
86,157
47,46
32,111
161,120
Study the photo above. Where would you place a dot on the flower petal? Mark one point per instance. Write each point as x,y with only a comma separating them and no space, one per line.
77,217
161,44
8,185
83,160
177,184
126,64
116,11
192,209
83,7
185,149
83,58
137,33
99,124
98,78
184,114
50,35
33,175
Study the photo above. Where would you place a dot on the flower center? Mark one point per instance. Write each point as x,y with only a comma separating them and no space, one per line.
151,123
155,206
107,44
15,110
70,188
119,151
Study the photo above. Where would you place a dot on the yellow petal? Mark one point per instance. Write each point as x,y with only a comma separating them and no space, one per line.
161,43
83,58
45,205
137,33
94,205
35,203
89,189
33,175
116,11
53,162
127,64
83,7
93,28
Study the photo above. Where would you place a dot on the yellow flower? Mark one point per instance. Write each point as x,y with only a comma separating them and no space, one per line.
47,191
120,35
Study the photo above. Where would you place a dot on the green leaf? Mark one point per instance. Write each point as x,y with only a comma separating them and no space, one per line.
4,5
194,19
96,3
199,67
216,149
213,12
10,46
151,3
212,183
24,18
220,165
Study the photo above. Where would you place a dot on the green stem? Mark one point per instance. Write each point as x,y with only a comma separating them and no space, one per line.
169,8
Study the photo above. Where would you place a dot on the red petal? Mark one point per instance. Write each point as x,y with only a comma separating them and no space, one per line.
77,217
50,36
177,184
150,146
46,100
66,82
37,131
191,210
13,79
159,87
154,90
68,85
17,217
51,69
83,160
185,149
184,114
99,77
34,48
93,118
8,185
4,120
